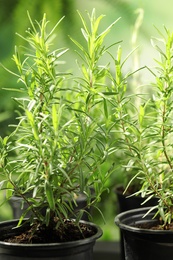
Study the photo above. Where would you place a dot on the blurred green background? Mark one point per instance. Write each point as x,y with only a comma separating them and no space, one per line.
138,18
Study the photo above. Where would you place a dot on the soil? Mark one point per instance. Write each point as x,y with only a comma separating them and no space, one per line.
66,232
156,226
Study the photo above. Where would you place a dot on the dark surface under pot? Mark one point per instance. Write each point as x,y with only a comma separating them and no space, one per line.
107,250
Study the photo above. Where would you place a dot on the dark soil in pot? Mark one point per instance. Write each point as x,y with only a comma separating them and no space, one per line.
69,231
141,243
80,249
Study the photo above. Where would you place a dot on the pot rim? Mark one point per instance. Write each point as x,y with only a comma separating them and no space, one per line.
69,244
126,220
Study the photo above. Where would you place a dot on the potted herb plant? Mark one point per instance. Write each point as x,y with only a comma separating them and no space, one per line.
58,149
145,130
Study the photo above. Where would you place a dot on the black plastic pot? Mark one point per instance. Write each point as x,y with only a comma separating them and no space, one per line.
127,203
18,206
132,202
144,244
78,250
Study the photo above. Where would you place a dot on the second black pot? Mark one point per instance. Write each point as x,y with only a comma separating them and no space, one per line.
144,244
18,206
127,203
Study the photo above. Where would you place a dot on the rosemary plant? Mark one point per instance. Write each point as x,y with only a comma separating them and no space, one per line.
144,129
59,147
